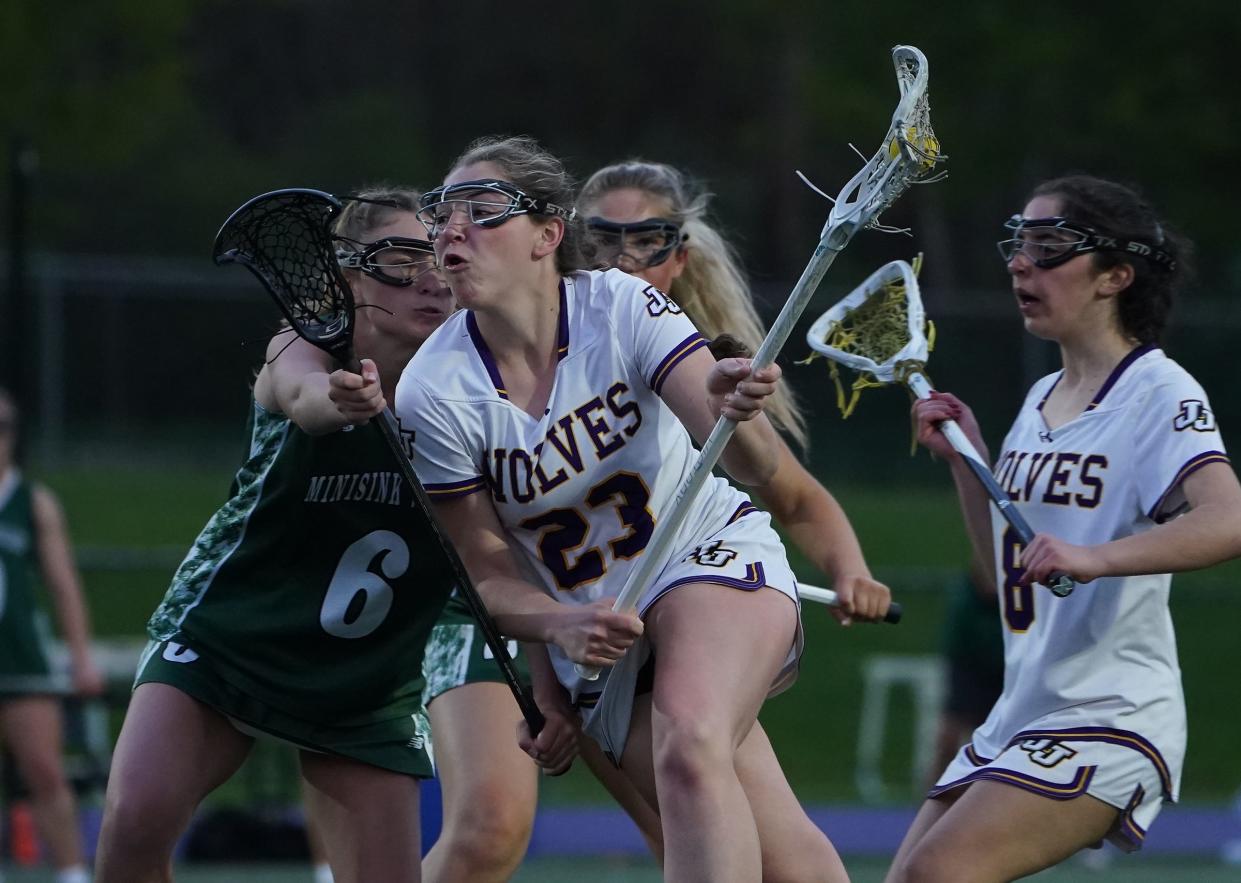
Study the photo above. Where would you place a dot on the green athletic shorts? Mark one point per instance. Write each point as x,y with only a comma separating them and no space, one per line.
457,654
401,743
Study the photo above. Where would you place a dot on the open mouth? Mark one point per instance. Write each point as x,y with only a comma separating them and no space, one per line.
453,262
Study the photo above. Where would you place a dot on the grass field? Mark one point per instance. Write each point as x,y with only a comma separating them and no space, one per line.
143,519
608,870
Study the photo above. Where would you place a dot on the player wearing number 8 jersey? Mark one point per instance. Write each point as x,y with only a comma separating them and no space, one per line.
1117,464
554,421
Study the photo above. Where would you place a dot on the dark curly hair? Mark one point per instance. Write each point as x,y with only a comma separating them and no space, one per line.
1118,210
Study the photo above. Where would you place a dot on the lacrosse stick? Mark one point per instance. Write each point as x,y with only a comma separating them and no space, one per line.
284,238
909,154
879,331
828,598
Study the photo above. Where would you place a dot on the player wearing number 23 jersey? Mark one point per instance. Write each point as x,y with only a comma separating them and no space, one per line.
1097,668
578,489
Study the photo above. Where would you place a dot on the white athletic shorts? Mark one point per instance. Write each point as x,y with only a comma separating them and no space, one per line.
1109,765
745,555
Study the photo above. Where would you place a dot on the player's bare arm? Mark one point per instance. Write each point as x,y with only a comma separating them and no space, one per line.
1210,532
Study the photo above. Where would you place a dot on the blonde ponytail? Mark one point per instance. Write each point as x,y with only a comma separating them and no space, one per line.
712,289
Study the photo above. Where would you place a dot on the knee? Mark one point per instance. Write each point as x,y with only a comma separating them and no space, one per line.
926,864
489,830
812,859
44,777
139,822
689,754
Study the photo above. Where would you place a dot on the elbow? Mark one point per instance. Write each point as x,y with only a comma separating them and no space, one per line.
757,472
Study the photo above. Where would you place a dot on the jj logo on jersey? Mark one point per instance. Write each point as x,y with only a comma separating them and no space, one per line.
714,554
1046,752
658,303
1194,415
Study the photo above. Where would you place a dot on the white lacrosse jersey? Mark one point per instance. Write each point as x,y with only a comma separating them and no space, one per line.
578,486
1100,664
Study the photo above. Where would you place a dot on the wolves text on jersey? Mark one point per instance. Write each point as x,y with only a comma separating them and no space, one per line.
1060,478
597,428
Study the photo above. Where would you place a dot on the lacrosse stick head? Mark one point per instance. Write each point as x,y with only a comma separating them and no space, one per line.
879,330
285,239
909,154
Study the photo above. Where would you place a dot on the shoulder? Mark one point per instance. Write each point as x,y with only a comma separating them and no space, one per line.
612,292
447,366
1156,379
45,506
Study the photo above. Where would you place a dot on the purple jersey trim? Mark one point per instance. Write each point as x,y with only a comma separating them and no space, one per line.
974,757
1134,354
1123,738
1054,790
746,508
454,489
484,353
1191,466
489,360
694,342
1127,826
562,329
754,580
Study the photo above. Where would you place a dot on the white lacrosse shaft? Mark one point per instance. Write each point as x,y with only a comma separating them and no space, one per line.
666,528
818,594
880,181
1059,583
828,598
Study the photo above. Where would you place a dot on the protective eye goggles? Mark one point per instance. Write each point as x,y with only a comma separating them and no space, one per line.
1050,242
643,244
393,261
487,203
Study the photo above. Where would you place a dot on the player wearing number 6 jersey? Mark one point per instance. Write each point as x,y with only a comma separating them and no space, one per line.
554,420
302,610
1118,466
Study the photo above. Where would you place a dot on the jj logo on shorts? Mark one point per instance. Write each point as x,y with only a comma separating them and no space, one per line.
714,554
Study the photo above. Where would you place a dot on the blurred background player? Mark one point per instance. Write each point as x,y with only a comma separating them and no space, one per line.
34,548
973,648
1117,463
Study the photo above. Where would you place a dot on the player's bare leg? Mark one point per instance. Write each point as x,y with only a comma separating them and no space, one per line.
172,752
490,786
794,849
641,808
368,818
994,833
718,652
33,730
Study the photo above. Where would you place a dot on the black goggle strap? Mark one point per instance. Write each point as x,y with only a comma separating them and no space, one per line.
1091,240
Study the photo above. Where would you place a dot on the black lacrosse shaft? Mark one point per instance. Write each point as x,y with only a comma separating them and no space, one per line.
491,634
525,701
894,614
1060,584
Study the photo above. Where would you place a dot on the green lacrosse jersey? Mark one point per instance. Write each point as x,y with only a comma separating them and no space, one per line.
24,635
315,586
